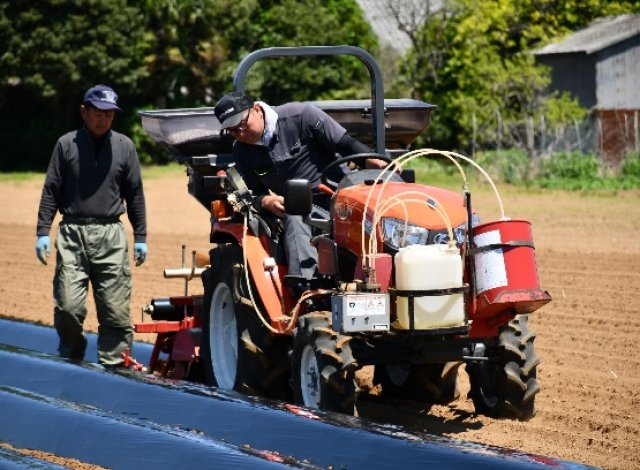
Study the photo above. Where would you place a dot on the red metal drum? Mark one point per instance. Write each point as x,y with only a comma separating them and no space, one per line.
505,270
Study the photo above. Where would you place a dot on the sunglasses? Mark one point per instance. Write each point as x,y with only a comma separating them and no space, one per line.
242,125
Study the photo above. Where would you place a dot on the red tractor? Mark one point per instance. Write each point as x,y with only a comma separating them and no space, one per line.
408,279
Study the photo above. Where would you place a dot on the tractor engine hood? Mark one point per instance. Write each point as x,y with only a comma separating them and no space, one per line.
421,206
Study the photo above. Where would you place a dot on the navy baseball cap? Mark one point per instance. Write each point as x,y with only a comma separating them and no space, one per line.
230,107
102,97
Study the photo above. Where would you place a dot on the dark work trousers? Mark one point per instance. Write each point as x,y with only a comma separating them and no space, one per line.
96,252
302,257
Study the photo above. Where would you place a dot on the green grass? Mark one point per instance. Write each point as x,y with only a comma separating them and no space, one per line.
148,172
571,171
565,171
156,171
19,176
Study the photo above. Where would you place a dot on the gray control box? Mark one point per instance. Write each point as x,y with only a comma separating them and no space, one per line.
361,311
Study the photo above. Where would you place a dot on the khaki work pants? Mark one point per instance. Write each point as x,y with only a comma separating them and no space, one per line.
96,253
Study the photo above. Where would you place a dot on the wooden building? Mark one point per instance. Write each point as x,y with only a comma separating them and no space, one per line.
600,66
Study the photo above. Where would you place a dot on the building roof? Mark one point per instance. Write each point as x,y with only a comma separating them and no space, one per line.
599,35
412,12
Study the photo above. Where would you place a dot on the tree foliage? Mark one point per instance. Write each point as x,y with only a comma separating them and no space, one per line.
58,48
473,59
191,48
322,22
50,53
196,46
158,54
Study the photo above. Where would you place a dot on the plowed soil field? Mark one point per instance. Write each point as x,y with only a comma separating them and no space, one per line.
588,253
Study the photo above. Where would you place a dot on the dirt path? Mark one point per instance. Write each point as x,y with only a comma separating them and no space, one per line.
588,253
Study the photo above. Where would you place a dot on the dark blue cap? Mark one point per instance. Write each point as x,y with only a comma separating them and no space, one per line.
102,97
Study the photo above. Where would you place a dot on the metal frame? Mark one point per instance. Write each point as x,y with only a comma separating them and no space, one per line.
377,87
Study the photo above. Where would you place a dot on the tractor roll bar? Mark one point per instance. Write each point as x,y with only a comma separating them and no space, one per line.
377,87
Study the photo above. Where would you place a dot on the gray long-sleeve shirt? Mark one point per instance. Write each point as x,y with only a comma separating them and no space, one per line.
304,143
80,184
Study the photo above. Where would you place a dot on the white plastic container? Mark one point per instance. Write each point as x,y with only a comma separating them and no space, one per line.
425,267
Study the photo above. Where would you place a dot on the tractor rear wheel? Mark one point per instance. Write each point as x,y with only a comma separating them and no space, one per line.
238,351
430,383
323,367
506,385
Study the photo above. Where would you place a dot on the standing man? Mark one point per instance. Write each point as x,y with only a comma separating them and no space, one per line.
275,144
93,172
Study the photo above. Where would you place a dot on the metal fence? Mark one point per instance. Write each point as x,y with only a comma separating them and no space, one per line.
609,134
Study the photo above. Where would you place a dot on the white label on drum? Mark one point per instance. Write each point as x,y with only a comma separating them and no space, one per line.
490,269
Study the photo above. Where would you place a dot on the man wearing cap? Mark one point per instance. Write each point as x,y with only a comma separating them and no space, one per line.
92,179
274,144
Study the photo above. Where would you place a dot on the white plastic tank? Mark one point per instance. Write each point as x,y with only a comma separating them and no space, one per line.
425,267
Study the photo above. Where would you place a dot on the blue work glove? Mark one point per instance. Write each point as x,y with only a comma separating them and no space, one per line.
43,248
140,252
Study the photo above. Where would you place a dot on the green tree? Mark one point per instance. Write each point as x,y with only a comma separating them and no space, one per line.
196,46
191,47
315,22
160,54
50,53
473,59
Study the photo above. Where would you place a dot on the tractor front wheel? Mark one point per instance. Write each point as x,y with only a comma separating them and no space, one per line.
323,367
505,386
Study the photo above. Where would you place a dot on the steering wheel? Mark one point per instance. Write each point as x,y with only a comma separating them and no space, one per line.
324,177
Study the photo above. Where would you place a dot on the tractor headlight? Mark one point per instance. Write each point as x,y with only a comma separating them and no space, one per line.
442,236
460,231
397,233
